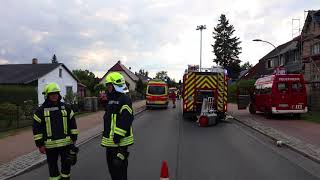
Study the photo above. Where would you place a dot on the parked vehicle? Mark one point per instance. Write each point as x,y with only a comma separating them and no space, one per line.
157,94
276,94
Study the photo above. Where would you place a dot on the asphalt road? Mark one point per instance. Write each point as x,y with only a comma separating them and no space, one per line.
223,152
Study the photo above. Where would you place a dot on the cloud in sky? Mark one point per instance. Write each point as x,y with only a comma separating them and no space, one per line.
151,34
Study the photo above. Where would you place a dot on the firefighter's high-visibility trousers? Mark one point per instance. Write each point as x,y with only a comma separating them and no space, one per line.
52,159
117,162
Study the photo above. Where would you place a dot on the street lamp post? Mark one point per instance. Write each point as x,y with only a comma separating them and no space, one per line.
201,27
259,40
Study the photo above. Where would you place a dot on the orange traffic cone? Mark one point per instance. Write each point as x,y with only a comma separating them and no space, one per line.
164,174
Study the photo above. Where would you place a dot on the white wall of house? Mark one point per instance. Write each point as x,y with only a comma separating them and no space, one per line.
132,83
66,80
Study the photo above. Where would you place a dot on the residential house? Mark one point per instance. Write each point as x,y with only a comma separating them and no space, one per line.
143,78
130,77
311,46
38,75
287,55
311,58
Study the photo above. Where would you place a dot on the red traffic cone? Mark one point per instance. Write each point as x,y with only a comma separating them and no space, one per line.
164,174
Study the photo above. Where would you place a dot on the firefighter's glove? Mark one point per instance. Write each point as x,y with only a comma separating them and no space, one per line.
42,150
74,148
116,139
122,154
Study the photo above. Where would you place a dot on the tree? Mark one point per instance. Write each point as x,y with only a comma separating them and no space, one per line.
163,75
172,82
246,66
143,73
140,87
54,59
87,78
226,47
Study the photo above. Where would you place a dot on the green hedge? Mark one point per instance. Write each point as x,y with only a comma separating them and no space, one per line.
13,116
17,94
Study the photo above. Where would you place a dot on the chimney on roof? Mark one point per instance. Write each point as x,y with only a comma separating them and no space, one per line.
130,68
119,62
34,61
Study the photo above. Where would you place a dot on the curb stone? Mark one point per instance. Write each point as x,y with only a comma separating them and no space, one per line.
308,150
34,159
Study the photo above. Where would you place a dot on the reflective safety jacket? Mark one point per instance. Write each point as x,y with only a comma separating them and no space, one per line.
54,125
118,121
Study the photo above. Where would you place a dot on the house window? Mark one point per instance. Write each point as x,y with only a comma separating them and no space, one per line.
270,64
296,56
69,89
315,49
60,73
281,61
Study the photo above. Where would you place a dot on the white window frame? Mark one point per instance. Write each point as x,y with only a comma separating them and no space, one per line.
315,50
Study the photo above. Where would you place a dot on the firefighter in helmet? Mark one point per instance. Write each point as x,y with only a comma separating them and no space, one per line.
55,132
117,134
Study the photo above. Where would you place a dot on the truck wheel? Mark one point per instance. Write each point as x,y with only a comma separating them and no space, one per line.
252,109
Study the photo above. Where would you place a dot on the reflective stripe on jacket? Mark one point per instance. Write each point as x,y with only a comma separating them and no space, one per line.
54,125
118,121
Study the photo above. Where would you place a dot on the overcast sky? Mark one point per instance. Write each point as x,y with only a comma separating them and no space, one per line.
144,34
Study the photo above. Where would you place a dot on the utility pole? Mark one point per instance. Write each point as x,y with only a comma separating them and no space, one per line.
201,27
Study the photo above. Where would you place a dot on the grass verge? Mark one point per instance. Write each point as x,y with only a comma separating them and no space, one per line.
312,117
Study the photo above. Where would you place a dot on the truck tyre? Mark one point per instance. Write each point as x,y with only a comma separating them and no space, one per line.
252,109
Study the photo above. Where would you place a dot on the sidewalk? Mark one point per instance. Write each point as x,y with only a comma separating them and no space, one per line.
19,150
298,135
306,131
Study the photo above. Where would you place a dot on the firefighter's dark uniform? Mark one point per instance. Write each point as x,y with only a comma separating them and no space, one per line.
55,128
117,134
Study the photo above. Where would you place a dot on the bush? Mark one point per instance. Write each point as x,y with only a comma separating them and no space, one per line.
8,114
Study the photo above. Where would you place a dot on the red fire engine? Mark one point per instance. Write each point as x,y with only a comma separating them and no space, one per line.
276,94
205,93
